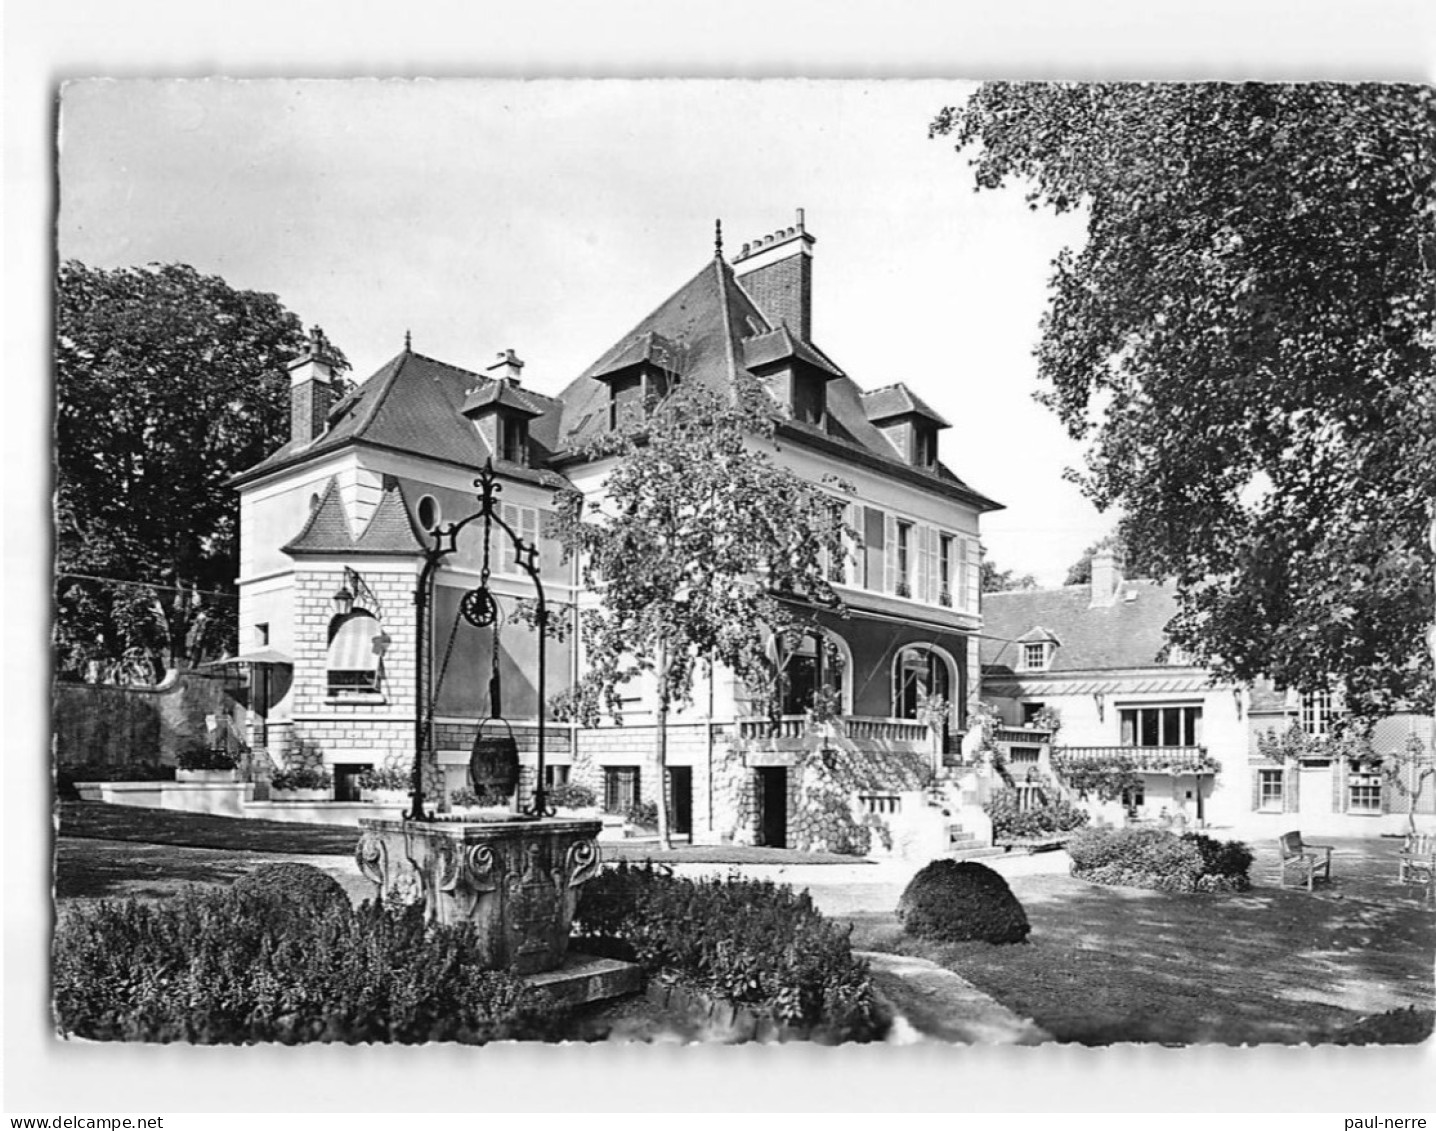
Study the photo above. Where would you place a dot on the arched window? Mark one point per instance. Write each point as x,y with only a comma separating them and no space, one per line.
355,660
813,662
922,672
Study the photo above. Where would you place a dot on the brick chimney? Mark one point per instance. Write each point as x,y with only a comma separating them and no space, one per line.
311,389
1106,579
777,271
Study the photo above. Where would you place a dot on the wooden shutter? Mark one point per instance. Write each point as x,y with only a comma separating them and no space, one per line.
1256,788
507,562
890,563
1291,789
1340,777
874,548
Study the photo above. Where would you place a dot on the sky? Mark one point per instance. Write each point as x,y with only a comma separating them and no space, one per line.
551,216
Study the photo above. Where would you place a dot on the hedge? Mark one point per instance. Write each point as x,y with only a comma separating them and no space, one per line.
750,942
234,966
1155,858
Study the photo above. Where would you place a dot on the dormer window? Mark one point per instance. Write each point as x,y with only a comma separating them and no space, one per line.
924,446
1035,656
514,439
1035,650
810,398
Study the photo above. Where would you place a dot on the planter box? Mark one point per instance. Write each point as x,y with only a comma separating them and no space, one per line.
387,796
516,881
301,794
211,777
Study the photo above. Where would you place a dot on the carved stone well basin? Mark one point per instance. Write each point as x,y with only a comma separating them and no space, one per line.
515,880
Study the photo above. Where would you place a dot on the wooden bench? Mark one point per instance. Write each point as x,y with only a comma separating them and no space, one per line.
1418,862
1310,861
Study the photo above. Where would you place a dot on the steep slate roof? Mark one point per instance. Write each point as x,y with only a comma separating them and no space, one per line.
415,404
898,400
390,529
715,328
1122,635
706,330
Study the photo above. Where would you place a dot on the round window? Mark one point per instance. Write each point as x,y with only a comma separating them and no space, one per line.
429,513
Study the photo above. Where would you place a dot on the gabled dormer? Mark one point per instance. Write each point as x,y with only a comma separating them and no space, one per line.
639,376
910,426
1036,648
501,411
796,373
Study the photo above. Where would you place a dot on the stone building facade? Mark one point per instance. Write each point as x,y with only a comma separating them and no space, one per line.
334,527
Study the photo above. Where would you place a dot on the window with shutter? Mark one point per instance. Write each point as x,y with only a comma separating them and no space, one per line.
525,523
963,569
890,562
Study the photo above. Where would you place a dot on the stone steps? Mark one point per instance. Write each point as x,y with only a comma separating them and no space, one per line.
977,852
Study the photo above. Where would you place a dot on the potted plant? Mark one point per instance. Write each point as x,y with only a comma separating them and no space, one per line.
385,785
573,795
200,763
303,784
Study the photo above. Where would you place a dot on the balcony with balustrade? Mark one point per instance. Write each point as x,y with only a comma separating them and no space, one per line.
799,732
1139,759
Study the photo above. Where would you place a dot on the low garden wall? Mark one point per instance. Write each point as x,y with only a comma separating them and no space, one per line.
100,724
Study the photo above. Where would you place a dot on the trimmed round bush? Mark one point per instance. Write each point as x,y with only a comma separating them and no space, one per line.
300,887
950,901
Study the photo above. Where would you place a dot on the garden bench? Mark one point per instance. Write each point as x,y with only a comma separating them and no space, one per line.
1418,862
1309,860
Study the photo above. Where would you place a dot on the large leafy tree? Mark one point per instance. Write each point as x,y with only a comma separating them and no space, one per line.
168,382
994,580
1080,571
703,549
1245,342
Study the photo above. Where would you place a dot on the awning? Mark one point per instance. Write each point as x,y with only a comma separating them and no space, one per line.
353,648
263,656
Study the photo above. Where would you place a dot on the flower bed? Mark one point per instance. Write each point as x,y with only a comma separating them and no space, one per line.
751,943
1153,858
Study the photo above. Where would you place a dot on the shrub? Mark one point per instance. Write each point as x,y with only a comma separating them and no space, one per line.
1225,863
572,795
959,902
227,967
1154,858
1009,822
749,941
385,777
204,758
295,886
305,777
642,815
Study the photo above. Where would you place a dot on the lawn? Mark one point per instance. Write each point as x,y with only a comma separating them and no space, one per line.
1105,965
120,851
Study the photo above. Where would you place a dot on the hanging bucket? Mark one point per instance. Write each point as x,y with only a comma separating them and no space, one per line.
494,762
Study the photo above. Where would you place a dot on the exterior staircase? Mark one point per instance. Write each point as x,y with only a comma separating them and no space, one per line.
962,843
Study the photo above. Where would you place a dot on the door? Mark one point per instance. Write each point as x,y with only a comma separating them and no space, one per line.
1314,789
680,800
773,806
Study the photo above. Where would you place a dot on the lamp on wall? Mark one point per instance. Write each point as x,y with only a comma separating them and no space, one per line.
353,589
1101,701
1237,699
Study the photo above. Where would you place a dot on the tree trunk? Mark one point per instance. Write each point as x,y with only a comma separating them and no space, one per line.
665,839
